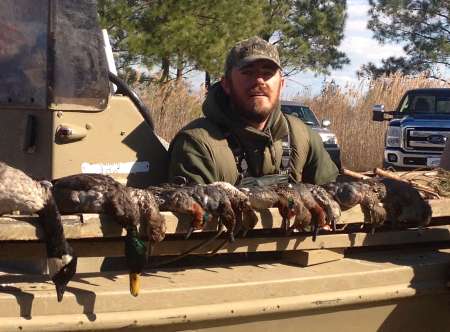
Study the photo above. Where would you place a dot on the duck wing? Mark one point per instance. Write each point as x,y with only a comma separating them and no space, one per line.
20,192
95,193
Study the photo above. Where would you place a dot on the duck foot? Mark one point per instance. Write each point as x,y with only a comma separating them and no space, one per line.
231,236
315,232
244,233
189,232
285,227
333,225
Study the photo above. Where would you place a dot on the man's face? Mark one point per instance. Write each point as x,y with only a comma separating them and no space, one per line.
254,89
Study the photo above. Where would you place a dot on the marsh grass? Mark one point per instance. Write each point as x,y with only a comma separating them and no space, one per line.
350,111
173,105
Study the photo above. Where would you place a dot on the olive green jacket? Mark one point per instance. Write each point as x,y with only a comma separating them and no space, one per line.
200,151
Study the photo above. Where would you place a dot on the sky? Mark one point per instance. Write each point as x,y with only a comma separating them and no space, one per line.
359,47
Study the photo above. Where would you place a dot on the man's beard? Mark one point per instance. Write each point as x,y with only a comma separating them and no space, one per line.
251,113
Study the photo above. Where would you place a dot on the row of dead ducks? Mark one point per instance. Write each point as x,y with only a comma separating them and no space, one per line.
311,207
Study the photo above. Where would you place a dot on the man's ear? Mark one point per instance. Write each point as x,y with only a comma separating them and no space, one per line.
282,81
225,83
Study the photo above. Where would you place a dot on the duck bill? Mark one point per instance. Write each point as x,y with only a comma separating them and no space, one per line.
62,277
135,283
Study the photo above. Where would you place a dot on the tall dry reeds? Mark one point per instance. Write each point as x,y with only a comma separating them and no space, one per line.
172,106
349,110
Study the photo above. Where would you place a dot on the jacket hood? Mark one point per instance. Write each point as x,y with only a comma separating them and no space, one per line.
217,108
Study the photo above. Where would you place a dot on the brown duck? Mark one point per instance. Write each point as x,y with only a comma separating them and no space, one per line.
329,205
383,199
368,194
246,217
292,202
203,202
179,199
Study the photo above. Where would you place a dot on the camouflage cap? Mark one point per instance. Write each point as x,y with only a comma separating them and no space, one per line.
249,50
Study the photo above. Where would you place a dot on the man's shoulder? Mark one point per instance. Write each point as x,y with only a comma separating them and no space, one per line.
301,133
202,129
296,124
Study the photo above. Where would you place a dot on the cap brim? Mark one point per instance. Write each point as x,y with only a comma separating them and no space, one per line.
247,60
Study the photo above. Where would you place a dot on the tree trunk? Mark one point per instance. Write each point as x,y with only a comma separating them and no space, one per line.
180,68
207,81
165,66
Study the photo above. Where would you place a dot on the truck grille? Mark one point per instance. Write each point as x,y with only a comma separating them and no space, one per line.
426,139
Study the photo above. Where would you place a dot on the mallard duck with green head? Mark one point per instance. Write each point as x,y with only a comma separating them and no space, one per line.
97,193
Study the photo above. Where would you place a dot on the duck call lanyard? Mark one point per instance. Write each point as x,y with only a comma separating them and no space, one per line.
242,165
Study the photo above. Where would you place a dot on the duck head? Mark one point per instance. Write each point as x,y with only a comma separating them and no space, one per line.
136,258
61,271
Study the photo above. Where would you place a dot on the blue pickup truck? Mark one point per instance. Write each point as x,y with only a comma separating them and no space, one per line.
418,128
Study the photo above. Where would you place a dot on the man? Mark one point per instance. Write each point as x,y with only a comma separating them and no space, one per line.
244,133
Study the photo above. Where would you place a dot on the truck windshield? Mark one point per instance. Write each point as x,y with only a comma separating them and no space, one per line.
303,112
23,54
425,103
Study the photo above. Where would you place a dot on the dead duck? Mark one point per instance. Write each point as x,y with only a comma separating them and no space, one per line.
404,205
150,215
326,201
286,199
246,217
290,205
219,205
368,194
293,201
266,197
179,199
315,218
202,201
19,192
97,193
215,201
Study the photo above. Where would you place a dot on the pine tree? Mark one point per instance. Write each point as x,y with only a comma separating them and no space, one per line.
307,33
181,35
423,26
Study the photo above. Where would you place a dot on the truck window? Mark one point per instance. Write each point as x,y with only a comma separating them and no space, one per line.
23,54
404,108
443,105
303,112
423,104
